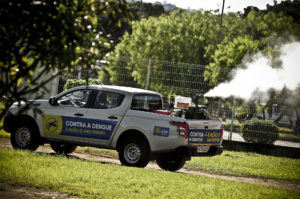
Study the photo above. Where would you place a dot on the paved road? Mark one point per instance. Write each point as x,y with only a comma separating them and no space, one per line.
236,137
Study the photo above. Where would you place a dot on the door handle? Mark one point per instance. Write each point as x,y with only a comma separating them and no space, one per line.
112,117
78,114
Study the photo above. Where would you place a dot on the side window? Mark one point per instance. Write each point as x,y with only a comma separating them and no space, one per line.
146,102
77,98
107,100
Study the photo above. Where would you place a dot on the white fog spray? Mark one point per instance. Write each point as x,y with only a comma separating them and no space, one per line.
259,76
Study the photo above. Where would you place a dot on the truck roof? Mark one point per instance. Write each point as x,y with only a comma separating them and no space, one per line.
119,88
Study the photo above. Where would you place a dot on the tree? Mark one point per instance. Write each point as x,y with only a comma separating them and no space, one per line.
195,38
145,10
227,57
179,37
288,8
258,32
51,37
289,105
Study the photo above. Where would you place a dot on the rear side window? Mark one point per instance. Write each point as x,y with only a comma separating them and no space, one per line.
146,102
107,100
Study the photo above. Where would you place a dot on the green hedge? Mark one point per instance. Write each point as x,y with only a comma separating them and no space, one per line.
236,127
260,131
285,130
71,83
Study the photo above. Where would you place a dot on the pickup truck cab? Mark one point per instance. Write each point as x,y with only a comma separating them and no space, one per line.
121,118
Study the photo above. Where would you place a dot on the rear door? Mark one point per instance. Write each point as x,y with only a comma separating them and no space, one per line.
104,115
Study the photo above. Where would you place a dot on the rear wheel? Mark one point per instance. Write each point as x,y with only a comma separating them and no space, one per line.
171,164
62,148
25,137
134,151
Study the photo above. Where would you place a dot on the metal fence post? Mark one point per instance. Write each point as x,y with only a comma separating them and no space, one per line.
232,118
148,74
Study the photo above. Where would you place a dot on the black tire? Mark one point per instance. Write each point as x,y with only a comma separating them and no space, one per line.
62,148
25,136
172,164
134,151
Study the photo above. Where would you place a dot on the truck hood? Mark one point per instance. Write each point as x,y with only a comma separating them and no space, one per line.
16,107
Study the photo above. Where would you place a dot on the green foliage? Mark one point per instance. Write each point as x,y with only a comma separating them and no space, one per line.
289,105
81,82
227,56
246,111
289,8
260,131
145,10
197,38
285,130
236,127
164,38
90,179
41,38
258,32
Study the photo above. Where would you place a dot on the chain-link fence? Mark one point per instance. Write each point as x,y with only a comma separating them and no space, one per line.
170,78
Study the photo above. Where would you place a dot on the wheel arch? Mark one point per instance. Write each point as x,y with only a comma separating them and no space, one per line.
22,118
129,133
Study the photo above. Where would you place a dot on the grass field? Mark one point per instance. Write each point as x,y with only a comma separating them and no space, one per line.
234,163
3,134
229,163
249,164
91,179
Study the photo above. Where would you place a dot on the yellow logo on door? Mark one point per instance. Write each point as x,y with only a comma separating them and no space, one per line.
52,124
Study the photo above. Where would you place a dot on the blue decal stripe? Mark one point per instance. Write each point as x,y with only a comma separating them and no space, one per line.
208,136
89,128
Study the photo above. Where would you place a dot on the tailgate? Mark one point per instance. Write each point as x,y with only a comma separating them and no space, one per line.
205,132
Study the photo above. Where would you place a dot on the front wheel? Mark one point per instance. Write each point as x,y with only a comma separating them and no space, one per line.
61,148
134,151
25,137
171,164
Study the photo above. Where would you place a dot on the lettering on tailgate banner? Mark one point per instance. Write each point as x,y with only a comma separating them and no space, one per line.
207,136
80,127
161,131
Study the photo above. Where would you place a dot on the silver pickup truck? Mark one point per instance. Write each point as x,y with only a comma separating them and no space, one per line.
125,119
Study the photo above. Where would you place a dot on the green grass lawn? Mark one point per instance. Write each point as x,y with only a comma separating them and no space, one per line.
229,163
3,134
92,179
233,163
249,164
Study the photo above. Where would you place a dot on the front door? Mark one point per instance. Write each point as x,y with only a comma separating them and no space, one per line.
66,119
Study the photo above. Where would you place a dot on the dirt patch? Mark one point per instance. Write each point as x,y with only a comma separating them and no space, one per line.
13,192
5,143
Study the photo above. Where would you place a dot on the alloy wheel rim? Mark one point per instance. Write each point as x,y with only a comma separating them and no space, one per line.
23,137
132,153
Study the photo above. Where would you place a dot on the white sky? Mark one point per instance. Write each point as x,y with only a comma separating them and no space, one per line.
235,5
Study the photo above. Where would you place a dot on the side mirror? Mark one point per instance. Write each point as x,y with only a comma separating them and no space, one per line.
52,101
